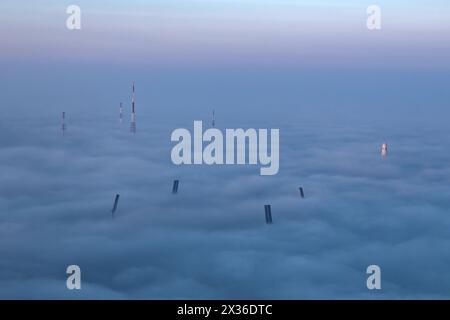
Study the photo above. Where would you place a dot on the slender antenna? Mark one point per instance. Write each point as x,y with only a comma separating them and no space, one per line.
120,113
133,113
63,126
214,118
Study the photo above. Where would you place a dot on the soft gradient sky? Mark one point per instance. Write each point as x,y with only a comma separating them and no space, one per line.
263,59
287,32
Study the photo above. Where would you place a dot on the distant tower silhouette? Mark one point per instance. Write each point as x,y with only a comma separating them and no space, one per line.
302,194
268,212
116,201
63,125
384,149
214,118
175,186
121,113
133,113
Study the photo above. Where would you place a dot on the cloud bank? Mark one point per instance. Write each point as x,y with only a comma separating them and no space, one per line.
210,240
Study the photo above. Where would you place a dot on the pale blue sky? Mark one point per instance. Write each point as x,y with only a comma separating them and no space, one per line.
248,31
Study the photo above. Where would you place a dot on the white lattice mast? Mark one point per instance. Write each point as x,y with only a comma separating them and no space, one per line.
133,113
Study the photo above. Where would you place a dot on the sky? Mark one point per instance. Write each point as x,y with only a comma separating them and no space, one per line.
336,91
199,32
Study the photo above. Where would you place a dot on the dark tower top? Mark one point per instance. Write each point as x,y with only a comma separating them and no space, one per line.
132,101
